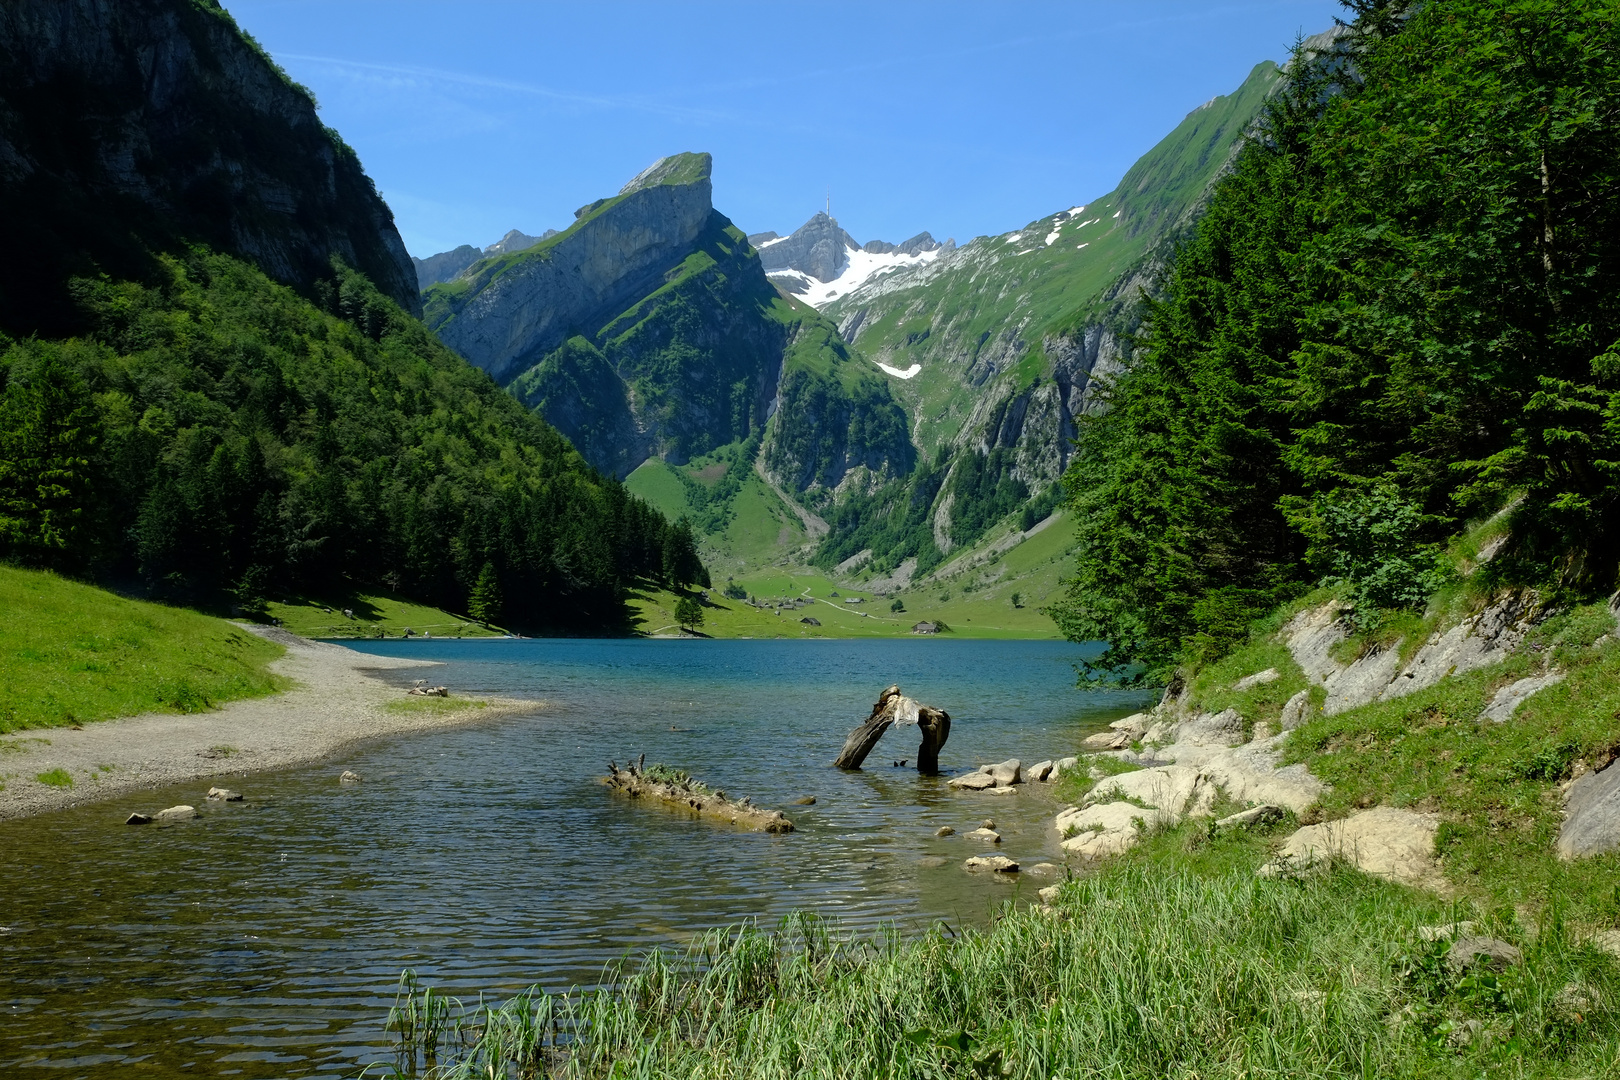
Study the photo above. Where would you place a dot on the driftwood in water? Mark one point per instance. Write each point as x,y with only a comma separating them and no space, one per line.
680,792
894,708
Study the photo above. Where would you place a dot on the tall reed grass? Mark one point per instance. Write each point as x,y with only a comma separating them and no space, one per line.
1138,973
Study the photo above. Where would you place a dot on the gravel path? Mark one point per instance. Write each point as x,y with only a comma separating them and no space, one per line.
338,700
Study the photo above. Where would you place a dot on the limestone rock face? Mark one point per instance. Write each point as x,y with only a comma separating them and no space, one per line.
819,248
518,312
1174,789
1096,832
174,111
1387,842
1379,675
1592,821
1507,700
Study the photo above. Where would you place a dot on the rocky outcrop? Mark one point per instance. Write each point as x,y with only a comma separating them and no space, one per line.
133,125
1592,815
1386,842
1379,674
1506,701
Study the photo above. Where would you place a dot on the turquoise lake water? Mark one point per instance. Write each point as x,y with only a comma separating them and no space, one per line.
265,938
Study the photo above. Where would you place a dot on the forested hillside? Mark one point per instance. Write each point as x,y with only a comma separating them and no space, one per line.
1401,312
172,413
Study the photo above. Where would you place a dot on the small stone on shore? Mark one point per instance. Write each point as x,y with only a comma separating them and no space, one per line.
1049,894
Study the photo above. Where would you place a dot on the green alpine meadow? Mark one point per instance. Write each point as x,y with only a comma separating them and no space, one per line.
425,659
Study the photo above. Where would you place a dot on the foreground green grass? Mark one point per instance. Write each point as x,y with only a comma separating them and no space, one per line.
1146,970
72,653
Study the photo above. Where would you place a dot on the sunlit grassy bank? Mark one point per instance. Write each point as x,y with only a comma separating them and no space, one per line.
72,653
1145,970
374,615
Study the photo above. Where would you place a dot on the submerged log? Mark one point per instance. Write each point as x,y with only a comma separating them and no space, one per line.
686,794
894,708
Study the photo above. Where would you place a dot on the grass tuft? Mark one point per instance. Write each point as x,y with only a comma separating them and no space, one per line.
57,778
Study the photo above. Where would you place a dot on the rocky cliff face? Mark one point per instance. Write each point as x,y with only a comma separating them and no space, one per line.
515,309
648,328
132,125
819,248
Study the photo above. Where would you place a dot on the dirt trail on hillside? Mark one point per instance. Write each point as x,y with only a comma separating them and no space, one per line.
338,700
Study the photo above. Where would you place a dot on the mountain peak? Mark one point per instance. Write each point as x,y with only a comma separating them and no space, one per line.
685,168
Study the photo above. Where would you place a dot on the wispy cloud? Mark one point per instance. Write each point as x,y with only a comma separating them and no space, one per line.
435,78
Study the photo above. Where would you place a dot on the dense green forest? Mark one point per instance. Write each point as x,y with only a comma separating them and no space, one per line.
222,437
1400,313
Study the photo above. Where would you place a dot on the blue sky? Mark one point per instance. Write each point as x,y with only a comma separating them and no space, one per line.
479,116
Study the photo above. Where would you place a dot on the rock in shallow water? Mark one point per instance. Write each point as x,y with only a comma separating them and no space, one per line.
1006,773
974,781
349,777
944,830
989,836
219,794
176,813
998,863
138,818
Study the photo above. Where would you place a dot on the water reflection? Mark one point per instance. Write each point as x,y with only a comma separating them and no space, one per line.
264,938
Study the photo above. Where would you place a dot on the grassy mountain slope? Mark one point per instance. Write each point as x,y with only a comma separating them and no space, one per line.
648,329
985,309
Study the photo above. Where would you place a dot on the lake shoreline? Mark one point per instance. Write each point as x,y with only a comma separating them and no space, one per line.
338,700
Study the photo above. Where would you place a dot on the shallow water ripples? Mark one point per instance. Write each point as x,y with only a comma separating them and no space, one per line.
265,938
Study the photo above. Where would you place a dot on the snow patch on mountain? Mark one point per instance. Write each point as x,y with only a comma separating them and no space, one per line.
863,266
897,373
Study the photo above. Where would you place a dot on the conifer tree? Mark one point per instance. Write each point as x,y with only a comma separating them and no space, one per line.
484,604
48,437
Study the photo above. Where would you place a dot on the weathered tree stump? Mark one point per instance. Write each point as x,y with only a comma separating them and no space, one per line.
894,708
